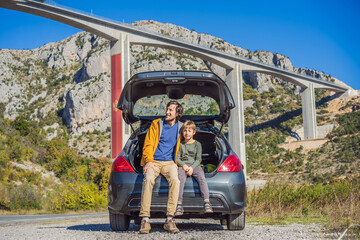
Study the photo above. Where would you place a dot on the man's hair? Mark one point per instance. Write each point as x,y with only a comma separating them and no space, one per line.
189,124
179,109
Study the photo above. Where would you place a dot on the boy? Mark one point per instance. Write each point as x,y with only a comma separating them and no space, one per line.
189,159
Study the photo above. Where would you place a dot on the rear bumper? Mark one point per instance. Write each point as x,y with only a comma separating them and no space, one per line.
227,195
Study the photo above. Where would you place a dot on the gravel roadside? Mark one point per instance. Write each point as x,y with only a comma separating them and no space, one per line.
99,228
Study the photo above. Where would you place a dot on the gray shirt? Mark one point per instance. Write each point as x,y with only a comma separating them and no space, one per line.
189,154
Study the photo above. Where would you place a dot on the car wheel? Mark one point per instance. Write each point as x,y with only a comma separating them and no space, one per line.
236,221
119,222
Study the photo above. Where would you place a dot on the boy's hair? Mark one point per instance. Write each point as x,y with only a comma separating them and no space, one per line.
189,124
179,109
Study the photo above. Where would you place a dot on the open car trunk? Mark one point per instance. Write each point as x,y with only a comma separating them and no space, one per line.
211,151
175,85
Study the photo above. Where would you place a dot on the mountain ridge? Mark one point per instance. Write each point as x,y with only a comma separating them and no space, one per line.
71,78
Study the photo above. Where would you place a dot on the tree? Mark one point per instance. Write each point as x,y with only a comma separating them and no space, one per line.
22,125
2,109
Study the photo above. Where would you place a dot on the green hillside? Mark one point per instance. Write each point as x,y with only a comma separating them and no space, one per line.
47,175
266,157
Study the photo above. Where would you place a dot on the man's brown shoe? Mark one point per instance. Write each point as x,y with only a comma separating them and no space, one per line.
170,226
144,227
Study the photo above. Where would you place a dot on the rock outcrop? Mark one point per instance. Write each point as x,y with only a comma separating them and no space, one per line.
71,78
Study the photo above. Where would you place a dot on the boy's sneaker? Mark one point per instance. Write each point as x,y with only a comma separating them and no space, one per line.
208,207
170,226
179,210
144,227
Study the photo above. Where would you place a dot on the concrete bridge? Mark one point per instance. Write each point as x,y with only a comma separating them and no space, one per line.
122,35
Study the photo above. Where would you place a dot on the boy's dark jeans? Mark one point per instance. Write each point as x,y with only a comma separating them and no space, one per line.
199,176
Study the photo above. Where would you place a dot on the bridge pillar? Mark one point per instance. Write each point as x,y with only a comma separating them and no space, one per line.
237,122
120,73
309,111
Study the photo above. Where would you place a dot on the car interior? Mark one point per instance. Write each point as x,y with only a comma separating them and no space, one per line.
211,152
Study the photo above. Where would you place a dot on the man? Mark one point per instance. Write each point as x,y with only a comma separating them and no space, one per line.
160,148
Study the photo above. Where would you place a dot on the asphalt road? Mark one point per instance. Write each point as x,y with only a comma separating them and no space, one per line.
8,220
96,226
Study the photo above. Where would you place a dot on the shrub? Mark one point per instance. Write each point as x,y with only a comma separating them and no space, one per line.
4,198
2,109
21,125
67,161
78,196
337,201
87,195
349,123
24,197
323,111
59,158
99,172
18,152
33,177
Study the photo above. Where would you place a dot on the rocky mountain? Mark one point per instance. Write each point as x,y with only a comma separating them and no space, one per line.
68,82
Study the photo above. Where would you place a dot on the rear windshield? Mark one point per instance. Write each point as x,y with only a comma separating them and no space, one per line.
193,105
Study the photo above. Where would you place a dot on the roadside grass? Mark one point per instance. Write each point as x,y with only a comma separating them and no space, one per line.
285,220
335,204
25,212
44,211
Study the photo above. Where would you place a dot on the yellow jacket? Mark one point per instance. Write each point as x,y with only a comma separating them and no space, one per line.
152,140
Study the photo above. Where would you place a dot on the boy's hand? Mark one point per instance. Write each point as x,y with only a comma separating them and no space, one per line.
189,171
185,167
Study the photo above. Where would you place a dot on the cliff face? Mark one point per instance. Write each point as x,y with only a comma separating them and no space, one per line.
71,78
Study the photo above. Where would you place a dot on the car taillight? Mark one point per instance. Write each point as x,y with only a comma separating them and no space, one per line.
121,165
231,164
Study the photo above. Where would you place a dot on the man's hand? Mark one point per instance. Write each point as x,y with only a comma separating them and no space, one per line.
185,167
147,166
189,171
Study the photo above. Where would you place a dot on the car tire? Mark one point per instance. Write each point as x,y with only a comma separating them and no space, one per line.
119,222
236,221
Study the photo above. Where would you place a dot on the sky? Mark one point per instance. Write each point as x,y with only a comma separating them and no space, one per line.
316,34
